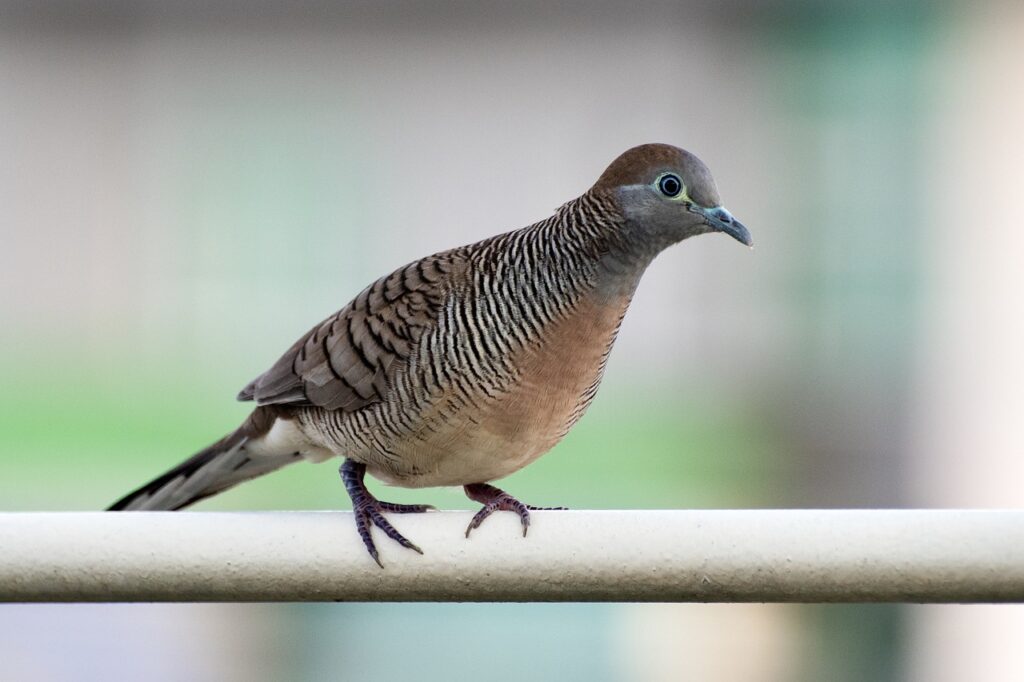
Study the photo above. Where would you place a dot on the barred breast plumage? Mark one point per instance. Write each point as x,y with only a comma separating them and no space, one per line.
462,367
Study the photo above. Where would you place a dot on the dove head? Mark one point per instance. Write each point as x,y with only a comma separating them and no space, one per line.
667,194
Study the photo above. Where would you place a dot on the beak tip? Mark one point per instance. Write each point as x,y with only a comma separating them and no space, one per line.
740,233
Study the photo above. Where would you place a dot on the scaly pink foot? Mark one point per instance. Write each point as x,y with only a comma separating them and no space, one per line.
496,499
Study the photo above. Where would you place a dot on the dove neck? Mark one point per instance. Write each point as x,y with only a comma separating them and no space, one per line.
612,259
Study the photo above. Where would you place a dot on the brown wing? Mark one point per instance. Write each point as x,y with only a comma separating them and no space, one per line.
347,361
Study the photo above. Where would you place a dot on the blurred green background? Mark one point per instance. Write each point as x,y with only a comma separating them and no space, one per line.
187,187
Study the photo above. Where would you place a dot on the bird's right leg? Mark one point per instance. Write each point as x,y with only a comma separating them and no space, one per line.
496,499
368,509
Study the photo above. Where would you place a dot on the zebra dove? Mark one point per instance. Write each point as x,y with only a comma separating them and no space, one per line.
465,366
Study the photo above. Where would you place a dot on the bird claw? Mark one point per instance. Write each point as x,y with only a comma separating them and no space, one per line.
496,499
368,510
405,508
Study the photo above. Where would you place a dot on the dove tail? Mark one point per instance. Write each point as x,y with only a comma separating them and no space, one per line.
214,469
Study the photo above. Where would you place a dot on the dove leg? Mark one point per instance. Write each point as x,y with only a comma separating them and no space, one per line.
369,510
496,499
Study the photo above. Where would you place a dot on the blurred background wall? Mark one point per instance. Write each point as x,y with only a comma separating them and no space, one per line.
187,187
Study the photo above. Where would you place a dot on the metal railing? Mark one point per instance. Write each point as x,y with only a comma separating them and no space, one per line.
705,556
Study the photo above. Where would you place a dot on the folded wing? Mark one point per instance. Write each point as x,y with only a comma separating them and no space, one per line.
348,361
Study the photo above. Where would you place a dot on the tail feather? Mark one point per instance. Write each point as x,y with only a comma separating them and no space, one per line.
214,469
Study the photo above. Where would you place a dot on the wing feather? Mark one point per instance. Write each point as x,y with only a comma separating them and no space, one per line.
348,361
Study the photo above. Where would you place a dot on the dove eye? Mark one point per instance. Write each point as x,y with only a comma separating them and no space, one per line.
670,185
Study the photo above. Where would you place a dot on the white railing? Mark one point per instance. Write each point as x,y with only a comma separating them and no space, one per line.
763,555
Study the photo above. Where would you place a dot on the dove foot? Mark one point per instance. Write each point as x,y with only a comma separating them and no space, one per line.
369,510
496,499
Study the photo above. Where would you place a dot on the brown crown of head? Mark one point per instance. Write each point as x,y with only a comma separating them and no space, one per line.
644,164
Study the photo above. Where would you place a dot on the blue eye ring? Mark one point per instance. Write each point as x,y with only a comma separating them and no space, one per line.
670,185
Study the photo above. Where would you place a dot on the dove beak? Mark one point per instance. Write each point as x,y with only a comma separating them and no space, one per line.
722,221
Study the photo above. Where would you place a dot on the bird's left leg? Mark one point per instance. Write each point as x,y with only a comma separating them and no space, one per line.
367,509
496,499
